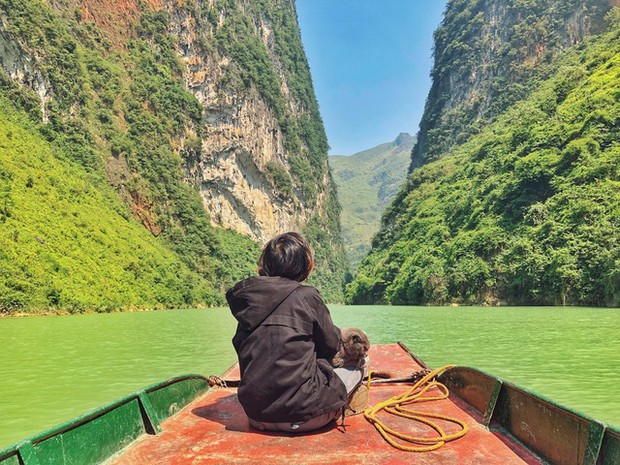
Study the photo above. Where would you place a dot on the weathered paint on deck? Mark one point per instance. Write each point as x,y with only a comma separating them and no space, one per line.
214,429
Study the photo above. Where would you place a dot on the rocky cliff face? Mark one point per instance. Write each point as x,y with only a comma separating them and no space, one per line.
243,139
20,66
261,168
244,156
488,54
180,102
513,194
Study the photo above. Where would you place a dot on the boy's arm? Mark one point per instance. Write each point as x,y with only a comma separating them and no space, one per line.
326,334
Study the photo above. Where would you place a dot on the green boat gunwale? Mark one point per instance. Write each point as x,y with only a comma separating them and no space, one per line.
527,391
151,419
142,412
497,417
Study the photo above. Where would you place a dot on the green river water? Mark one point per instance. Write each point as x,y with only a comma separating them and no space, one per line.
56,368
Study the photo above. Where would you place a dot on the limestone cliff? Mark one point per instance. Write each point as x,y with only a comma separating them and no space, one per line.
20,67
243,171
488,54
513,193
201,114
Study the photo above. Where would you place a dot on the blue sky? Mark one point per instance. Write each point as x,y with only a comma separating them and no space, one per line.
370,63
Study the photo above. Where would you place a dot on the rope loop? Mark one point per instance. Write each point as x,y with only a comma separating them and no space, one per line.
416,394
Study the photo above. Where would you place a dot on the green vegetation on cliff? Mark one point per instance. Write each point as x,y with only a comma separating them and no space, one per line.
306,142
67,242
527,211
120,124
112,115
490,54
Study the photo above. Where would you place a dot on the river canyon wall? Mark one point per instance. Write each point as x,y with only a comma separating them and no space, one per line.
512,195
197,123
488,55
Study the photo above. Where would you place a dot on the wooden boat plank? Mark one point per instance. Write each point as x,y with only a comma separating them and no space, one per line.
610,450
214,429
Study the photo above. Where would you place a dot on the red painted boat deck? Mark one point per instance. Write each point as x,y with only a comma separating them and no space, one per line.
214,430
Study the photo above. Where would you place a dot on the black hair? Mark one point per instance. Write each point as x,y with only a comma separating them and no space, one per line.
287,255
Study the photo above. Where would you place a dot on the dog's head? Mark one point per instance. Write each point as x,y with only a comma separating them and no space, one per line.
355,343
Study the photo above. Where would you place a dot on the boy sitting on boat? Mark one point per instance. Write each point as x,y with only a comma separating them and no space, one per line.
285,340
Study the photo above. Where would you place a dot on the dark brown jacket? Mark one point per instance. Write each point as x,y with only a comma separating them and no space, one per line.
284,339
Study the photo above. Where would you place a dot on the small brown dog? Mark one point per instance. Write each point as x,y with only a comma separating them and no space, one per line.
354,346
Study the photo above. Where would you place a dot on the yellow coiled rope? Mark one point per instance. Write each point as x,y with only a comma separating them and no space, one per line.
415,394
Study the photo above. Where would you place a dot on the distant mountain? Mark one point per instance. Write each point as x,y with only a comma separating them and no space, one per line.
367,182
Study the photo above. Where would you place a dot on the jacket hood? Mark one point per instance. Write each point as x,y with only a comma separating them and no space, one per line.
254,299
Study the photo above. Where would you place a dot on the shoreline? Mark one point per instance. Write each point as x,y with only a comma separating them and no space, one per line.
51,313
